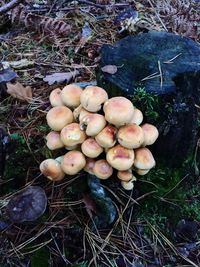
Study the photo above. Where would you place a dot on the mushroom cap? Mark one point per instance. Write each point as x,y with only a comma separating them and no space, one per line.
55,98
70,95
72,135
93,123
107,137
54,141
59,117
118,110
125,175
137,117
89,165
91,148
93,97
73,161
141,172
127,185
52,170
120,158
102,169
150,134
144,159
79,113
130,136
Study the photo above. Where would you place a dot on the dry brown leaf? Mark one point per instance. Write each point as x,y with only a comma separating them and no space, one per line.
60,77
111,69
19,91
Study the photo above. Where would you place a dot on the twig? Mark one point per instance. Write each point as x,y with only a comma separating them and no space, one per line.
91,3
10,5
158,16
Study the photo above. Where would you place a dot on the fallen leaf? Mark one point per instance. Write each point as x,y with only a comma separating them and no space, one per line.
19,91
6,75
60,77
111,69
20,64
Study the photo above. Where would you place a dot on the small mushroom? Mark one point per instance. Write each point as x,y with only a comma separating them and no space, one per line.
130,136
150,134
79,113
93,124
72,135
102,169
54,141
73,162
107,137
89,165
126,175
91,148
118,110
144,159
127,185
141,172
59,117
70,95
52,170
55,98
93,97
120,158
137,117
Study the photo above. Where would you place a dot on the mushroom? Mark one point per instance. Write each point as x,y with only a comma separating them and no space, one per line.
59,159
79,113
93,97
52,170
93,124
102,169
107,137
118,110
76,147
73,162
130,136
55,98
70,95
89,165
59,117
137,117
126,175
127,185
54,141
144,159
72,135
91,148
141,172
120,158
150,134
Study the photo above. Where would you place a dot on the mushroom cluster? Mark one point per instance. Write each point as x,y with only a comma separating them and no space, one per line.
99,134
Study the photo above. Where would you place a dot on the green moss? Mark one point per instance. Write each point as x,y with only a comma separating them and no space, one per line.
40,258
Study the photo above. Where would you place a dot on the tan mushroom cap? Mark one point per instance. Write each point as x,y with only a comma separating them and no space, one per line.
59,117
137,117
125,175
118,110
120,158
51,168
127,185
150,134
93,97
72,135
70,95
141,172
91,148
89,165
93,123
130,136
54,141
144,159
102,169
79,113
55,98
107,137
73,162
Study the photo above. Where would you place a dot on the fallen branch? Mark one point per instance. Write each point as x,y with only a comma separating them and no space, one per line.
10,5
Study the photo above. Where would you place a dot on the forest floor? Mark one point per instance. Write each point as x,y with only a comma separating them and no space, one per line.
157,223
